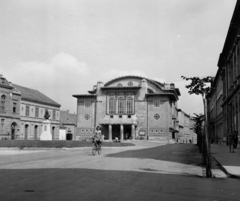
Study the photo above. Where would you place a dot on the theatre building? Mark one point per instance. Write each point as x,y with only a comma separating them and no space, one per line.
129,107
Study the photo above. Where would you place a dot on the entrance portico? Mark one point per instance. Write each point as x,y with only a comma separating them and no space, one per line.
121,131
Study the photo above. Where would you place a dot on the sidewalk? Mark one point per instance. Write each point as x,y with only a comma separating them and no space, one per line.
230,162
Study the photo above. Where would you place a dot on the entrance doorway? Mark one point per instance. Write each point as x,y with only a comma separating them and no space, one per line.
35,132
69,136
116,132
26,132
13,130
127,132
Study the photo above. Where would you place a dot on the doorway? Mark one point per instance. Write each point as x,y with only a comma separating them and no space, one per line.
26,132
13,130
35,132
69,136
127,132
116,132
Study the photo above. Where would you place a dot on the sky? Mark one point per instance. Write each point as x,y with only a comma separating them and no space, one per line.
64,47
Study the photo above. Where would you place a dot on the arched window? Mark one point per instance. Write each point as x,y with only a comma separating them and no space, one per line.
120,105
2,104
112,105
129,105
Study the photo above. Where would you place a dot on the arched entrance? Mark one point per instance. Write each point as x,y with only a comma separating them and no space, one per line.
13,131
26,131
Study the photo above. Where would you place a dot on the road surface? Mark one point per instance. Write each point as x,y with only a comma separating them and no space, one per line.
149,171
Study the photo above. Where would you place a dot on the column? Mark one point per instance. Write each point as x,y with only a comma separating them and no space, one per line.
121,131
110,132
133,132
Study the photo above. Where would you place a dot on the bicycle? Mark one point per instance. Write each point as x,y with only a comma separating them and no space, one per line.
96,148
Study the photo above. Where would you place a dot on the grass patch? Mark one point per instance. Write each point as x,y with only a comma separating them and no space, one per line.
56,144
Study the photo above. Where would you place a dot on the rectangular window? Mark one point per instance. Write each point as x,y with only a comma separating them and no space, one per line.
130,105
14,107
54,114
2,103
2,122
156,103
87,104
27,111
36,112
120,105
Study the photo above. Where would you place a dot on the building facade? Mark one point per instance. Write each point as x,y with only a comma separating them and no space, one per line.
186,132
68,125
215,111
33,105
9,110
229,68
129,107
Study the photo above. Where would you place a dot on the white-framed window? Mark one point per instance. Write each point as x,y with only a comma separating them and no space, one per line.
112,105
27,111
87,104
54,115
14,107
2,106
120,105
156,103
36,112
129,105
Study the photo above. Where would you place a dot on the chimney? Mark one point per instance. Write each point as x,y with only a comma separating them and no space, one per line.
172,86
99,85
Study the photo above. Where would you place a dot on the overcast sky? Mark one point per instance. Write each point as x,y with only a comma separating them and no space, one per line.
63,47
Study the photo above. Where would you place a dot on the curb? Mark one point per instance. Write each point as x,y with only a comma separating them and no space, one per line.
229,175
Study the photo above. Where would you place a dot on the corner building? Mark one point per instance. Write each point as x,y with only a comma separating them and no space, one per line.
129,107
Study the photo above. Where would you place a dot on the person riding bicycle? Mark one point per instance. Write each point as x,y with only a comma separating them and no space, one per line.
97,138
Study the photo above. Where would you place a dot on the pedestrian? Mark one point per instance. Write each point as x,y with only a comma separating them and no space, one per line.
97,138
235,139
231,141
